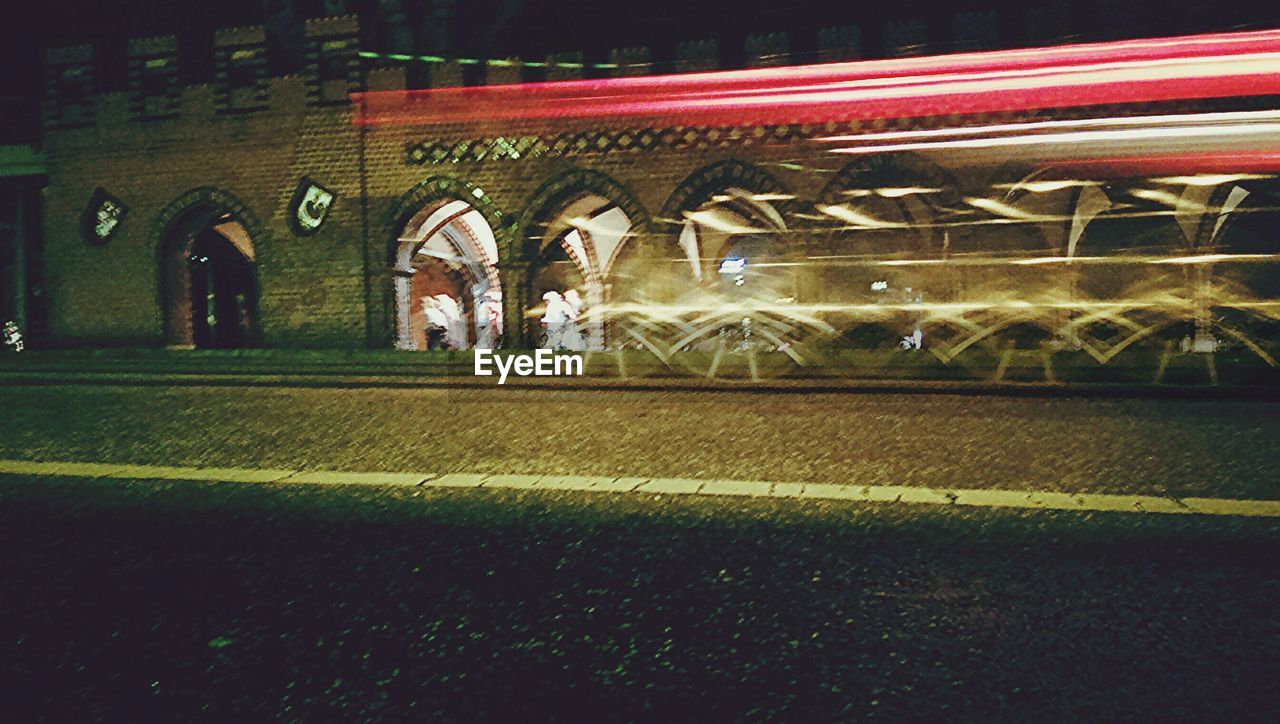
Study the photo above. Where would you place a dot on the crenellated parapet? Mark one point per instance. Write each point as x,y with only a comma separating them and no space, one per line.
333,60
334,67
69,83
153,77
697,55
240,69
770,49
841,43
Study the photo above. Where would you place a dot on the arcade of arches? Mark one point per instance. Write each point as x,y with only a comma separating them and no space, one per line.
743,265
889,254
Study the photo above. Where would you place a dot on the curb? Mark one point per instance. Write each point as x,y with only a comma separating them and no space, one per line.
644,485
638,384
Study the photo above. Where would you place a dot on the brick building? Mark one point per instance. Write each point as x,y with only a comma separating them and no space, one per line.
319,208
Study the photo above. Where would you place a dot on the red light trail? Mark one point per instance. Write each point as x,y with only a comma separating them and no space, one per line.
1188,68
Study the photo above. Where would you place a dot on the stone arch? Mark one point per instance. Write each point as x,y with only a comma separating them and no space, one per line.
558,192
416,205
698,188
173,231
442,188
562,255
1240,220
884,169
900,170
215,201
1046,191
736,184
1228,205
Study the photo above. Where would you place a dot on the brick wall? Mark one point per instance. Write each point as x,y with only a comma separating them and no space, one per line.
245,151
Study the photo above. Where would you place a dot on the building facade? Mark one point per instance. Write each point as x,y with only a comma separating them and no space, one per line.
340,207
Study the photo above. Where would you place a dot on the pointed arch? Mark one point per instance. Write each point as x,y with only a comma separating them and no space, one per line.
557,193
175,229
437,189
207,203
907,185
472,237
698,187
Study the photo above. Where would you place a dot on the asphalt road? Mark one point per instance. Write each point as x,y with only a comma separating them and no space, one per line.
1179,447
182,601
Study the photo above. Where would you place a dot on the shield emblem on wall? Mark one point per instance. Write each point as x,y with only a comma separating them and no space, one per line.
310,207
102,217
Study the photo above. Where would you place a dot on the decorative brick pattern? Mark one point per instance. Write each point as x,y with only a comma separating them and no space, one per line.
767,50
240,69
69,84
153,78
333,60
697,55
841,43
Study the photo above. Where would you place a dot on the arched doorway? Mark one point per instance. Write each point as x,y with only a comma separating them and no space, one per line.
1242,288
575,231
447,291
889,224
576,252
208,280
735,249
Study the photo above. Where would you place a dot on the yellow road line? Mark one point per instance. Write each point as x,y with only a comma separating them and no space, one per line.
982,498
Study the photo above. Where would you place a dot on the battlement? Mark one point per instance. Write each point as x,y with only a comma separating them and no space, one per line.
334,66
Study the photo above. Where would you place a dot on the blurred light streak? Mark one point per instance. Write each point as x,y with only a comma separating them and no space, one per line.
1208,66
1209,179
1264,131
1212,258
1005,129
838,211
723,198
859,219
1169,199
1056,259
716,221
1041,187
1002,209
894,193
1184,161
978,259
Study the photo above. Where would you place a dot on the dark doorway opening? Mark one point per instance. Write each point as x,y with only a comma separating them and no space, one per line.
210,284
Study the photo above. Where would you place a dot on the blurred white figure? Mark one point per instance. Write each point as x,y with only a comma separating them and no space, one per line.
555,319
12,337
455,327
572,338
489,319
437,323
915,340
